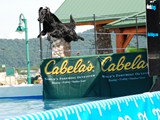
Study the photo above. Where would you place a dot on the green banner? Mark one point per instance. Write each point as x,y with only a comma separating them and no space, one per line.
95,76
125,74
68,77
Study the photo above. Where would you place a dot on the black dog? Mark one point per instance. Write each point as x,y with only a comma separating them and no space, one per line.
55,28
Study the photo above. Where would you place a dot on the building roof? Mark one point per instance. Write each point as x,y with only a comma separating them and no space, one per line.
83,10
138,19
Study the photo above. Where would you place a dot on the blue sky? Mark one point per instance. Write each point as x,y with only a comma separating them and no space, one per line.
11,9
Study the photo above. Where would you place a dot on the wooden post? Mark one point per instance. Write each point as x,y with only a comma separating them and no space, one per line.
127,41
119,43
120,38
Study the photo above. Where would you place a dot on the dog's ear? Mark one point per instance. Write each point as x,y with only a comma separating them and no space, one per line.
48,10
40,9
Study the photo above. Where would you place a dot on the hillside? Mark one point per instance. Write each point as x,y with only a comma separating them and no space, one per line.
13,51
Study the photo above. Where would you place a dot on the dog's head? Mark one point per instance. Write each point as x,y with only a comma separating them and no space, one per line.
43,12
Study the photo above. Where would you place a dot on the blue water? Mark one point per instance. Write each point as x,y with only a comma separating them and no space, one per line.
16,107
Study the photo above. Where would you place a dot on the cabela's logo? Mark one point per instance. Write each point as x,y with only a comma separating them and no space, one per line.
108,66
79,67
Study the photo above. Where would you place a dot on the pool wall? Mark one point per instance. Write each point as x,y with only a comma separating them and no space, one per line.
136,107
21,91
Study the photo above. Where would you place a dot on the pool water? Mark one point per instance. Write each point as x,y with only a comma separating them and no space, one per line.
16,107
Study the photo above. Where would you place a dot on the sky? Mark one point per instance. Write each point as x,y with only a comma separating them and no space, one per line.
10,11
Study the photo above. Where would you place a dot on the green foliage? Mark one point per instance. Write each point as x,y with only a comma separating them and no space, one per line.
13,52
86,47
2,69
134,49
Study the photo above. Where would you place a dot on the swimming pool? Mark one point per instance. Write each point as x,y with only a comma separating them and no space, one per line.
131,107
16,107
